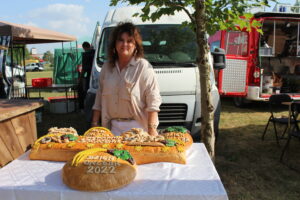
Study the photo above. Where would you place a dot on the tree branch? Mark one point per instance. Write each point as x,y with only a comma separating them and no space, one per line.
186,11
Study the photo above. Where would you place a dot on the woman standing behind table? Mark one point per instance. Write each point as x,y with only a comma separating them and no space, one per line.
128,95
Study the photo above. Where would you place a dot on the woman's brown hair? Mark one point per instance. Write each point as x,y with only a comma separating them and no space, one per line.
131,30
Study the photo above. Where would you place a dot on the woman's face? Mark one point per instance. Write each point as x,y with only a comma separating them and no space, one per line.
125,46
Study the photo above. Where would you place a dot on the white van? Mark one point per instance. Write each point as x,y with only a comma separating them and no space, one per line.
172,51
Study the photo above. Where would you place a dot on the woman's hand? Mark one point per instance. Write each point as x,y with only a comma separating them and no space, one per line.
152,123
94,124
152,131
95,118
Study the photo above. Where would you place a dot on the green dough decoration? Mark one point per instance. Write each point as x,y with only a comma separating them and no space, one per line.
170,143
180,129
122,154
70,137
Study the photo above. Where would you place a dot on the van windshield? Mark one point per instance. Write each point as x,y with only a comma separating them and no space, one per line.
164,45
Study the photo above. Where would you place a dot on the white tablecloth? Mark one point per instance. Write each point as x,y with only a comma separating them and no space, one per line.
24,179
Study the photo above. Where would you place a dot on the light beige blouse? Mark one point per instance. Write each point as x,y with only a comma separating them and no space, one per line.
130,93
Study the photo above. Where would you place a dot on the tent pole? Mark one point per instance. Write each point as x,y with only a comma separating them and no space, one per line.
12,67
77,50
67,101
62,45
76,83
73,63
25,77
73,78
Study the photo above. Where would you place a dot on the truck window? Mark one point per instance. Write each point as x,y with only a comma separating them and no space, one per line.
236,43
280,38
103,47
163,44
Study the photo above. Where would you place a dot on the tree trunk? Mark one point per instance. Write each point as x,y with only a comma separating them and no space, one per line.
207,116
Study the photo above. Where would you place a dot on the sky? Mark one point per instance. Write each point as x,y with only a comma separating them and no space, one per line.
74,17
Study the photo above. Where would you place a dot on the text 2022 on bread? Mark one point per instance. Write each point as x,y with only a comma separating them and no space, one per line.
99,170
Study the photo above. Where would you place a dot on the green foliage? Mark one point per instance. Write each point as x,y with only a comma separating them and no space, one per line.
18,54
27,54
220,15
48,56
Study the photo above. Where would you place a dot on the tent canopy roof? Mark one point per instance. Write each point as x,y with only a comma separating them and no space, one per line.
23,34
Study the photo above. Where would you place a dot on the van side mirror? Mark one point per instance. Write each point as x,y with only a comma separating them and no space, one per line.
219,58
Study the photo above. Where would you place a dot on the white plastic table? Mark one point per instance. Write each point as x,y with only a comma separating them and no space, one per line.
24,179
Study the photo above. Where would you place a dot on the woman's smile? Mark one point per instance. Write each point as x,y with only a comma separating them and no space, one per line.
125,45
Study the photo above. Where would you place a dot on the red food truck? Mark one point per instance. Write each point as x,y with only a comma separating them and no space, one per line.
259,65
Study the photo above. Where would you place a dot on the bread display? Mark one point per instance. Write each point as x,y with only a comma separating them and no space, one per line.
99,169
144,148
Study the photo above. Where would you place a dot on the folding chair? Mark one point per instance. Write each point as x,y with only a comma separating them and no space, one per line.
296,131
275,102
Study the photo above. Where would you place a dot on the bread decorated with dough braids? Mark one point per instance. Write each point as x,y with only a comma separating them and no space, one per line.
143,148
99,170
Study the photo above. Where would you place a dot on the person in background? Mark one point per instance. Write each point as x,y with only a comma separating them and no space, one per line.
128,95
87,62
85,74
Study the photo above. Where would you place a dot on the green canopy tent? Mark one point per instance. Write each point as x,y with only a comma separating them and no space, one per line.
66,62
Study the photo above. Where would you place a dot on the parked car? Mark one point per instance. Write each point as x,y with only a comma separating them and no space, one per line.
34,67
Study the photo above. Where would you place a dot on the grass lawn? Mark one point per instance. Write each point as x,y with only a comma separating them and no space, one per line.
41,74
249,167
44,93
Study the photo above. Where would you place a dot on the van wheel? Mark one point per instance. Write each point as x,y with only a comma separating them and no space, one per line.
240,102
35,70
217,115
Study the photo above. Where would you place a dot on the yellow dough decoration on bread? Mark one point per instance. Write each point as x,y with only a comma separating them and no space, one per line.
99,170
98,132
83,154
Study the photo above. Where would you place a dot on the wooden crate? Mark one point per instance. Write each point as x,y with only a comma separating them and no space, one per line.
17,128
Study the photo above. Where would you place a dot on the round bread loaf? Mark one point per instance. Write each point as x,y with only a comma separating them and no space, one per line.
98,170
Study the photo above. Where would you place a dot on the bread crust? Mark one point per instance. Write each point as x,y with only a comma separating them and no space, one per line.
141,154
168,147
87,175
184,139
